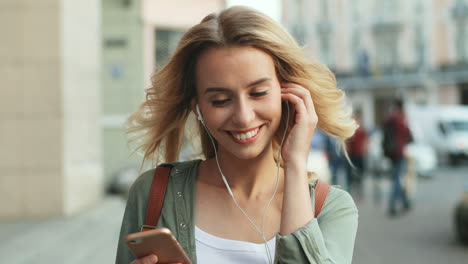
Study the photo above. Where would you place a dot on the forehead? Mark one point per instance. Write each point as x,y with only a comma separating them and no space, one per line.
232,67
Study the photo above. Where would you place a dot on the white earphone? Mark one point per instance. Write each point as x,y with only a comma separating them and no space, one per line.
260,230
199,115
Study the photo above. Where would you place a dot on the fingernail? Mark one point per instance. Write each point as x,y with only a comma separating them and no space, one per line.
153,258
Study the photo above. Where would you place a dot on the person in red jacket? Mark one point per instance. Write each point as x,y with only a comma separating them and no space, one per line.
400,135
357,150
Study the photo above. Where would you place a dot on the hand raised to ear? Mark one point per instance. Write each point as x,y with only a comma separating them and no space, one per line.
297,144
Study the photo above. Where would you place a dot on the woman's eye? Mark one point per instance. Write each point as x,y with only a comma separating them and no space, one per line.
219,102
258,94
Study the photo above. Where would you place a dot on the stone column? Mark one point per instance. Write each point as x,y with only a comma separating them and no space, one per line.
50,161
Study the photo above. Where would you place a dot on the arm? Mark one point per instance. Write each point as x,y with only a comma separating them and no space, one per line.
303,238
326,239
297,207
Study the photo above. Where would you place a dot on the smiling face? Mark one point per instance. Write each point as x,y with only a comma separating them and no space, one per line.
240,99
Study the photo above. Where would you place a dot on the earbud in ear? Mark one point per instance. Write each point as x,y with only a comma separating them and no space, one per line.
199,115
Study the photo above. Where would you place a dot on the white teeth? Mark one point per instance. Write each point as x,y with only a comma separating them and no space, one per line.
247,135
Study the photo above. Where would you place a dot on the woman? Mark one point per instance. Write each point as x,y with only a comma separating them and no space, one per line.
233,70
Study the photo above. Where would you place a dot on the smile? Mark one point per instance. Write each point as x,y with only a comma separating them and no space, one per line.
245,137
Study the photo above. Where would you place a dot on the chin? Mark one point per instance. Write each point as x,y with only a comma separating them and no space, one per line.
247,154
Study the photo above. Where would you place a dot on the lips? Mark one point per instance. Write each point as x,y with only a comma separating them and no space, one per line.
246,135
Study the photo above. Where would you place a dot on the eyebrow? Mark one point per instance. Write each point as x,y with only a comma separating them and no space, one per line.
222,89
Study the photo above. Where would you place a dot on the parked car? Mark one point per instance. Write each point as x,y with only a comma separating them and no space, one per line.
443,127
424,157
461,217
121,181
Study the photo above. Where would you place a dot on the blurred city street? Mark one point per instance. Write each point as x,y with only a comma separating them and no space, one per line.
73,72
423,235
90,237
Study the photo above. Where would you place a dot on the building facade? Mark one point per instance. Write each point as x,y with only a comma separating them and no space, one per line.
138,37
70,74
416,49
50,154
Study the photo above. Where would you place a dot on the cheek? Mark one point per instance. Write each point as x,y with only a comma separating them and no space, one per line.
275,104
216,118
271,109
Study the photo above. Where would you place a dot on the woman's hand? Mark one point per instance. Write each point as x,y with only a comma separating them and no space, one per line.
150,259
297,144
297,205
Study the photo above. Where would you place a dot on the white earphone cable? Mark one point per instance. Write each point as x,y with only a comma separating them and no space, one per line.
258,230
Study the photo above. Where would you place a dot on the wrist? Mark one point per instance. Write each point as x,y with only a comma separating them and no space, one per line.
295,171
297,165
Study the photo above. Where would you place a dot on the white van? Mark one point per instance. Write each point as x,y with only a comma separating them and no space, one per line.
444,127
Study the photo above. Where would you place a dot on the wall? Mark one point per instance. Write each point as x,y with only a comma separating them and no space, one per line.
81,112
121,80
47,105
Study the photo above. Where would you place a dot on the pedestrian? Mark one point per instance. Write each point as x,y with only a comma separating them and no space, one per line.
249,200
396,135
336,159
357,147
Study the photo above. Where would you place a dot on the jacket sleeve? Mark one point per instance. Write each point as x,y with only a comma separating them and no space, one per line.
329,238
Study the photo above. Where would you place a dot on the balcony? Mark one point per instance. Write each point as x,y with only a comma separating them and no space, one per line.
387,25
407,76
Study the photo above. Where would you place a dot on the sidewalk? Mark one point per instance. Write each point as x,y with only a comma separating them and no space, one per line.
424,235
90,237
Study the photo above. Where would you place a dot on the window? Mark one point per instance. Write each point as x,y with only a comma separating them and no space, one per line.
419,39
460,15
460,126
325,29
165,42
386,10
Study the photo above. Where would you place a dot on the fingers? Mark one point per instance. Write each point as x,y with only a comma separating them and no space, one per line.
301,110
301,98
150,259
301,92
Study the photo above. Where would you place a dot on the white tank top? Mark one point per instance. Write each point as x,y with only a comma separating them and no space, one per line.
213,249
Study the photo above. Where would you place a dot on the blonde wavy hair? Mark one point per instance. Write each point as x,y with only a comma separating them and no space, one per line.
159,125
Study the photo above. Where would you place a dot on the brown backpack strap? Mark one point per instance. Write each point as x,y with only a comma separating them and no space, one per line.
156,197
321,192
159,186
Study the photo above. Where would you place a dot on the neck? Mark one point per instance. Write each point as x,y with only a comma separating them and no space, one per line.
249,177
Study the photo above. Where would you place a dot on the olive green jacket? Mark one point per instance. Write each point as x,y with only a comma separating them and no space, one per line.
329,238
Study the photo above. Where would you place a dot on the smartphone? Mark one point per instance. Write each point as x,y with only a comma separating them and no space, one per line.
160,242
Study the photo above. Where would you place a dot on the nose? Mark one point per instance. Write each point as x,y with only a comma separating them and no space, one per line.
243,114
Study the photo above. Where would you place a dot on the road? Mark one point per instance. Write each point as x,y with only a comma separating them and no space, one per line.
424,235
